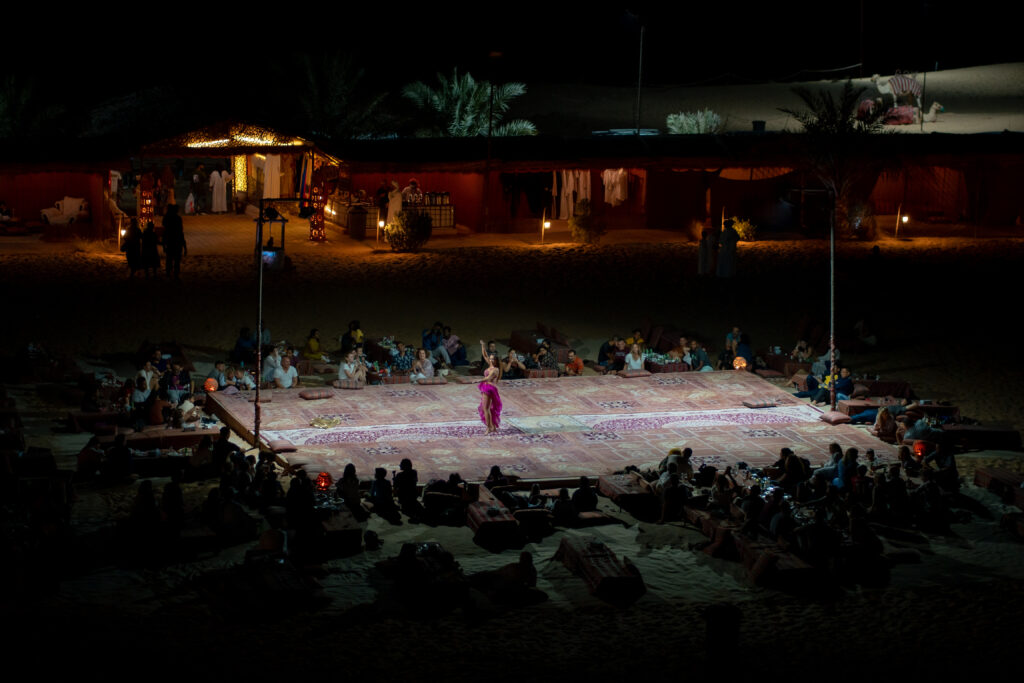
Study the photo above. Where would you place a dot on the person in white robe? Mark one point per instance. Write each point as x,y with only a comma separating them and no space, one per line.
218,191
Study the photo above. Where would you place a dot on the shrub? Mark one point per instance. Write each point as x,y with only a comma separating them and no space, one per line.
703,121
584,227
409,232
745,229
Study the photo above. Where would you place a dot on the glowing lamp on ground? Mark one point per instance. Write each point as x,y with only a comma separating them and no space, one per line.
739,363
123,232
380,224
324,482
210,385
547,225
920,449
905,218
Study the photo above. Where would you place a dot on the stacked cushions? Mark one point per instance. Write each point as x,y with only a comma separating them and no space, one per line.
314,394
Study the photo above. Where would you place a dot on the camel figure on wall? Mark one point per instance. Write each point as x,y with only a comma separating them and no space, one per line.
899,85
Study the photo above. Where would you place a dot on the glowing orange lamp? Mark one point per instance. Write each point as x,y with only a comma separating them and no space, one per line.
739,363
324,482
210,385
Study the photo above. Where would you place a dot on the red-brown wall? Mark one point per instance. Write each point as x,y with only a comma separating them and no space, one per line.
28,193
466,189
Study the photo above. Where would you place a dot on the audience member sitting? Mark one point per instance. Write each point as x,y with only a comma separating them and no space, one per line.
271,364
286,377
433,342
573,364
584,499
512,367
352,368
90,459
382,497
606,352
496,478
750,504
348,488
402,357
681,351
802,352
673,494
513,584
422,368
636,338
456,349
794,469
160,409
243,380
699,359
218,374
562,509
947,476
407,490
117,462
312,351
150,374
845,470
634,360
681,459
177,382
546,359
619,354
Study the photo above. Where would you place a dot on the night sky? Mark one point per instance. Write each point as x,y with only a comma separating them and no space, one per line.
217,61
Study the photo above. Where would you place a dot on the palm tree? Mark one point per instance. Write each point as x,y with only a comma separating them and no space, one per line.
838,145
465,107
331,102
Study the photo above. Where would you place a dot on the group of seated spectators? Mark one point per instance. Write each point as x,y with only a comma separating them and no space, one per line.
813,510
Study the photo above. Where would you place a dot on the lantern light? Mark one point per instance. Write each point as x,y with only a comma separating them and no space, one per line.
210,385
920,449
905,218
324,482
739,363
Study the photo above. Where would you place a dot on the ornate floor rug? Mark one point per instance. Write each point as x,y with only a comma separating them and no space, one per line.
550,427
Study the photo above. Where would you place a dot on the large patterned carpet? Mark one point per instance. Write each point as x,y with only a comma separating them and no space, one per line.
551,428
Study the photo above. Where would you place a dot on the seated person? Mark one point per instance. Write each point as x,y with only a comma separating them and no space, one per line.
382,498
636,338
406,488
606,352
352,367
562,509
402,357
573,365
433,342
495,478
699,359
271,362
745,351
584,499
141,393
90,458
286,377
456,349
634,360
218,374
619,353
492,350
312,350
243,380
6,214
176,382
159,409
802,352
821,364
158,360
921,430
422,368
681,351
150,374
674,495
512,367
546,358
681,459
844,389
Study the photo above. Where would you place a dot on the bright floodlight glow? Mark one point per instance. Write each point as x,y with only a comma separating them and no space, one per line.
123,232
380,224
906,218
547,224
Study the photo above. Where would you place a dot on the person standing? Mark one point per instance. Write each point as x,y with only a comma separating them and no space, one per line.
218,190
490,400
727,250
174,241
199,184
394,203
132,247
150,254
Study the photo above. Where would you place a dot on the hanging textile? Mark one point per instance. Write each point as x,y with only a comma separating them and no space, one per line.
272,177
616,185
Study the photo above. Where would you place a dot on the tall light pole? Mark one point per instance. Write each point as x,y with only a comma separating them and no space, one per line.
639,83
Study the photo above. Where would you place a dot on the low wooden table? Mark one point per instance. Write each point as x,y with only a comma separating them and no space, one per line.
604,573
671,366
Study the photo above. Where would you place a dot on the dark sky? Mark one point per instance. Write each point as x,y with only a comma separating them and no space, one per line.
539,42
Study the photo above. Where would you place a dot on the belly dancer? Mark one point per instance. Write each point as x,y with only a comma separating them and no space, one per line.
490,400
